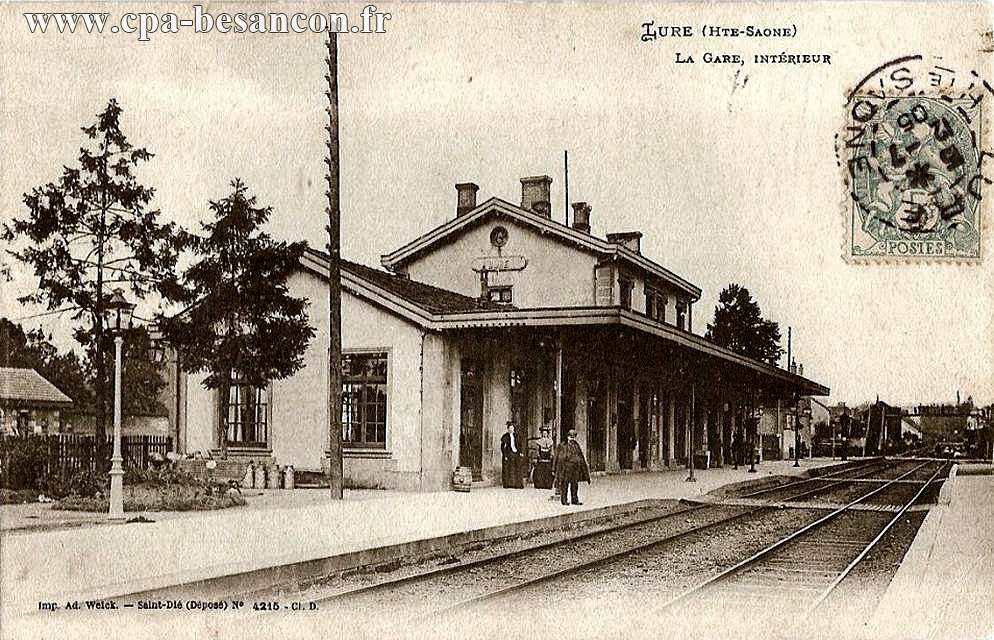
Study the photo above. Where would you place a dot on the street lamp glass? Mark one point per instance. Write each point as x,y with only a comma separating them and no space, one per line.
117,312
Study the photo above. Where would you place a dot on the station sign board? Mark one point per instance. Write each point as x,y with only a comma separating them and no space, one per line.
499,263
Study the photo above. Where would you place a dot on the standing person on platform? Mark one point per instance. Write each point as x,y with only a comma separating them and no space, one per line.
571,468
543,471
736,450
510,453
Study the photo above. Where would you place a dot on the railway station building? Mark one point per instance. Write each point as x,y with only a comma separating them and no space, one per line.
500,314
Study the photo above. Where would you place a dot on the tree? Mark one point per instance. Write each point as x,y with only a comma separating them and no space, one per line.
141,380
33,350
92,230
241,318
738,325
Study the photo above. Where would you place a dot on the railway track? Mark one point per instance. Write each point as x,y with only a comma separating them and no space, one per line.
801,570
502,576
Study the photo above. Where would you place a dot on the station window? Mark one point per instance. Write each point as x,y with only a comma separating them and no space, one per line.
655,304
625,287
244,412
681,315
364,400
500,295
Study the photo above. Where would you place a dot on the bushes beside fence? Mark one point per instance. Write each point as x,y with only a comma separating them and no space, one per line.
165,489
62,464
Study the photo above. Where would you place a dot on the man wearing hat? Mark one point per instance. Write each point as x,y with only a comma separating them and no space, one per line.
571,468
542,471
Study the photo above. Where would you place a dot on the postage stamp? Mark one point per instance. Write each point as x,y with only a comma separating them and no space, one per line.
912,159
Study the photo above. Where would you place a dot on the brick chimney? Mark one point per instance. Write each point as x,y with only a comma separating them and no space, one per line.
581,217
535,195
629,239
465,198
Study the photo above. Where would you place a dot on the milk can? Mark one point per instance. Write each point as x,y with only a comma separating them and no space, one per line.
288,479
260,477
273,477
248,480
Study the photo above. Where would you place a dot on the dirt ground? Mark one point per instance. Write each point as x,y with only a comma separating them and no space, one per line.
41,516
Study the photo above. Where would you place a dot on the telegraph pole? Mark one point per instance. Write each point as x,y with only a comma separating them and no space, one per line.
690,431
566,183
335,474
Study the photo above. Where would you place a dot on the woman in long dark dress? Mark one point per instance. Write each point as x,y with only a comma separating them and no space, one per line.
543,471
510,450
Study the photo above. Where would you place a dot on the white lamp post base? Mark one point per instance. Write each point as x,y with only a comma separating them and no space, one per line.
116,512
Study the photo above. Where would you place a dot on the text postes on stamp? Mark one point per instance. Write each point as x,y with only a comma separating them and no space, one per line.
912,160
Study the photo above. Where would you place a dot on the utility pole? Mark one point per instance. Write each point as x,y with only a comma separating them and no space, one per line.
788,347
335,472
690,432
566,184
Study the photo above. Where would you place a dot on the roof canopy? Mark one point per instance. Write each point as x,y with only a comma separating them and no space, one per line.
440,310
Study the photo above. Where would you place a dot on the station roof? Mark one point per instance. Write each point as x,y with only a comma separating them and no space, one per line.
440,310
556,230
427,297
592,316
27,387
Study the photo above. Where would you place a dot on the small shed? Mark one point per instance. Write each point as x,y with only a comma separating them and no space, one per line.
29,403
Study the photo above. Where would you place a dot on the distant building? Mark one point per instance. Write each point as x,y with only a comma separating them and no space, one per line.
29,403
944,422
879,426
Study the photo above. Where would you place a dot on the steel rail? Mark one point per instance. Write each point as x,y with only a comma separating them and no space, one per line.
472,564
869,547
763,553
601,560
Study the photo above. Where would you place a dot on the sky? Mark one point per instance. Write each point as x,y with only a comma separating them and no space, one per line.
729,171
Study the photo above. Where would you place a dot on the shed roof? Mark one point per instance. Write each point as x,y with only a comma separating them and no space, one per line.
27,387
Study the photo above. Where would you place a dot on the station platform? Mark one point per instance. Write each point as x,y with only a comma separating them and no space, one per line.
104,560
945,585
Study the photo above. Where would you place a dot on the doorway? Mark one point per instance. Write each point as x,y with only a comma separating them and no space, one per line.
626,426
471,418
596,423
646,412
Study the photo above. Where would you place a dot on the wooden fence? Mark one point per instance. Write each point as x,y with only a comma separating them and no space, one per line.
63,454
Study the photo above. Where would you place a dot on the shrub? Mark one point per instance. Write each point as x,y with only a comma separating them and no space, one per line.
23,462
84,483
146,498
18,496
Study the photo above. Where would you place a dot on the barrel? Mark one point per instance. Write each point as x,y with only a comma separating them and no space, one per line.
462,479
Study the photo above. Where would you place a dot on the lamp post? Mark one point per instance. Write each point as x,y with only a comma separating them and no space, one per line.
117,319
833,436
807,425
845,435
797,437
753,429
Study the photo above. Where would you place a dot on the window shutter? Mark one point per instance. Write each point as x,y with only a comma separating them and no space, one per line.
604,286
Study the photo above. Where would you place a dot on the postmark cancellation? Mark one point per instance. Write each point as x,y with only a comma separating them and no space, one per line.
912,159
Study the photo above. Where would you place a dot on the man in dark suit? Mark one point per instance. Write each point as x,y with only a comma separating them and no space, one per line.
571,469
510,454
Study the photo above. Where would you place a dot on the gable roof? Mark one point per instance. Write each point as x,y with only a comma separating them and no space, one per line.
27,387
378,285
556,230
